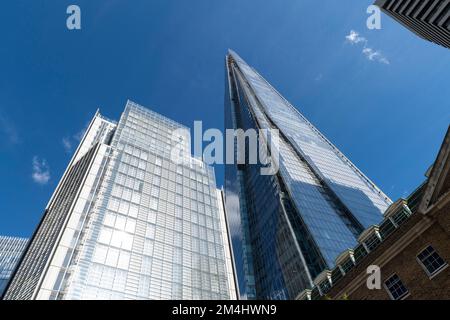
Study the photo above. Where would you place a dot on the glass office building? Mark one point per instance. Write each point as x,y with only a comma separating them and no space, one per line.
127,221
11,249
287,228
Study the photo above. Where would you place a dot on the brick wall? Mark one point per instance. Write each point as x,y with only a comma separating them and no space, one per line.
406,266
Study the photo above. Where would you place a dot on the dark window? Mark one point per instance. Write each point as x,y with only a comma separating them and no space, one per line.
325,286
336,275
372,242
431,261
359,253
347,265
400,217
395,287
386,228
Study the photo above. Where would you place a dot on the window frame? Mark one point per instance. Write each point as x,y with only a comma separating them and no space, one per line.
407,294
437,271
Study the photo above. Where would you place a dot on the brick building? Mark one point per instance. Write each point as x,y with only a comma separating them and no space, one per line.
411,246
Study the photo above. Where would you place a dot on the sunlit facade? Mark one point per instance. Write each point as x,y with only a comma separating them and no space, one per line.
128,222
287,228
11,249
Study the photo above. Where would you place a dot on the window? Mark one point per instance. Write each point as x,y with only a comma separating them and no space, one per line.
124,206
124,260
130,226
120,223
154,203
133,212
156,180
122,240
100,254
136,198
150,232
431,261
146,267
109,219
148,247
105,236
155,191
112,257
396,288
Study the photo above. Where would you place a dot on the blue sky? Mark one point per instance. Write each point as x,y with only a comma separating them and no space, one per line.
388,115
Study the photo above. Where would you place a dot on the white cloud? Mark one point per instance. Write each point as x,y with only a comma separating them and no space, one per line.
355,38
373,55
8,130
67,144
79,135
370,53
41,171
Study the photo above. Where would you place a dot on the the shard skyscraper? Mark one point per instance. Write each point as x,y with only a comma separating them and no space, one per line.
288,227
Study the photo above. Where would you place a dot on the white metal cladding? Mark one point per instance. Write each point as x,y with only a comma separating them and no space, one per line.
139,226
153,228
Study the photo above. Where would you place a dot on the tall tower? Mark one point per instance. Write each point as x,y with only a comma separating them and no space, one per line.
128,222
11,249
288,227
429,19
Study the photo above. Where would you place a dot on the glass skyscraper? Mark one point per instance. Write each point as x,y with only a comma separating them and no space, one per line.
11,249
288,227
128,222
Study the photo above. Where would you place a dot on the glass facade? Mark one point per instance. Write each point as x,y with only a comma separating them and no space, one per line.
319,202
140,226
11,250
